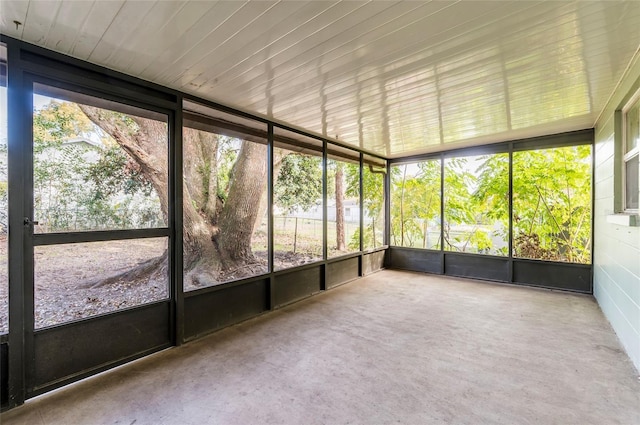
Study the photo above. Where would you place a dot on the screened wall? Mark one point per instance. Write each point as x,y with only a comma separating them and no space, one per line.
180,216
137,218
516,212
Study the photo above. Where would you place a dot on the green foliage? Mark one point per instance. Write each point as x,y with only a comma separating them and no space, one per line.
299,182
415,204
493,188
373,206
354,242
551,192
57,122
352,180
372,191
227,155
551,203
86,185
459,214
490,201
114,172
476,204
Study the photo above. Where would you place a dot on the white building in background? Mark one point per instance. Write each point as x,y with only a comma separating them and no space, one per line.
350,206
58,202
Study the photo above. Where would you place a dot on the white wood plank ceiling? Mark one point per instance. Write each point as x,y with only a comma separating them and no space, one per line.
395,78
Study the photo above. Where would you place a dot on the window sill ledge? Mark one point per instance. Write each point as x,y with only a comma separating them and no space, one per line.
624,219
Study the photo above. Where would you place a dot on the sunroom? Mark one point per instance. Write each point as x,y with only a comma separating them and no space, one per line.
315,211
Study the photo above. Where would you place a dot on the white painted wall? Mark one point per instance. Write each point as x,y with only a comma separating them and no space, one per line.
616,247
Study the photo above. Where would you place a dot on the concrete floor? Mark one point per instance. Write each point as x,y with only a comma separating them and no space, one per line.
394,347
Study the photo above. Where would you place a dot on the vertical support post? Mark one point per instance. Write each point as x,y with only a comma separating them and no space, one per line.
387,206
387,215
510,255
361,175
18,149
442,256
270,253
176,225
27,232
324,201
593,204
325,215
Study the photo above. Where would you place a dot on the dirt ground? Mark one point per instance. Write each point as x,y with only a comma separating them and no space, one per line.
66,277
63,272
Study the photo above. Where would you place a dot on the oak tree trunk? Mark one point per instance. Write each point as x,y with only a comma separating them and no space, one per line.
240,212
216,235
